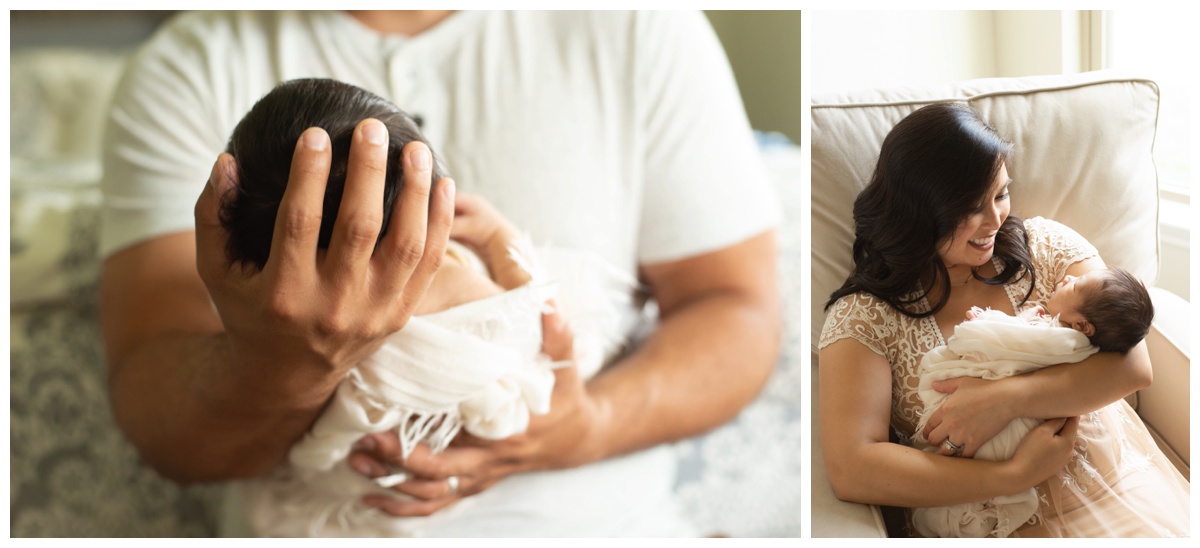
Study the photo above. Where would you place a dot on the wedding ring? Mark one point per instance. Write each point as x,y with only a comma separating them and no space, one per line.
956,450
452,483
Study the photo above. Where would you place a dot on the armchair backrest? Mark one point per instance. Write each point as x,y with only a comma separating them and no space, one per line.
1083,157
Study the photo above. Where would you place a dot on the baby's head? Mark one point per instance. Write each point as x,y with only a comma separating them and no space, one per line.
1110,306
263,143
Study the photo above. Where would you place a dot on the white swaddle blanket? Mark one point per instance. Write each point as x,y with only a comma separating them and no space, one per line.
477,366
993,346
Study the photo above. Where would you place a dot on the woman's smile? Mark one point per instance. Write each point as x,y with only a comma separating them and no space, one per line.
985,243
983,223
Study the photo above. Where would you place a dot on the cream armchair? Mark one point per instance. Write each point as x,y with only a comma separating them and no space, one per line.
1083,157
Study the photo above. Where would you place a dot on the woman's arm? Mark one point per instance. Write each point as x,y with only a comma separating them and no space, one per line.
855,401
979,409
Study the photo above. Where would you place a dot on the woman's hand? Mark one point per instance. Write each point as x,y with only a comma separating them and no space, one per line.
975,412
1044,451
559,439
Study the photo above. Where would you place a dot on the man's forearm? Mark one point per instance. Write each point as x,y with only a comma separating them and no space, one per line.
194,416
706,361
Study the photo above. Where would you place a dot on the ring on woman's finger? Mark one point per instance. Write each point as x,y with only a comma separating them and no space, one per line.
955,450
452,484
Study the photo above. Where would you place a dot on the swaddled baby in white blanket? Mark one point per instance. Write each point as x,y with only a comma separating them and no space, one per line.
1103,310
469,359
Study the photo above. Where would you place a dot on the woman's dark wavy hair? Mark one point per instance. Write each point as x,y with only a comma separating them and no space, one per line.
265,139
935,167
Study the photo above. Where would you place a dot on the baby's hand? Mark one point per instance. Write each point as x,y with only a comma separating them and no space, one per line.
478,225
1034,315
974,312
481,227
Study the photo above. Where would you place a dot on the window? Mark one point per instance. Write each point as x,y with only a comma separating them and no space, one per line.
1159,44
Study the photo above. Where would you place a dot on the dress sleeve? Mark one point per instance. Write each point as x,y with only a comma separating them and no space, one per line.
861,317
1054,247
706,185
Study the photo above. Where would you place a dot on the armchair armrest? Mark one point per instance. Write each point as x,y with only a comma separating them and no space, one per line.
833,518
1164,405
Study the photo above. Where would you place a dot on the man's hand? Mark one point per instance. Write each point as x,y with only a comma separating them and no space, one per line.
322,312
555,440
716,342
208,398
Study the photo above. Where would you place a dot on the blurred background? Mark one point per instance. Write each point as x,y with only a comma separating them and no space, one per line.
928,48
71,471
763,48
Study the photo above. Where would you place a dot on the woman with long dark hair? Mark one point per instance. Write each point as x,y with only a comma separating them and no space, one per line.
933,237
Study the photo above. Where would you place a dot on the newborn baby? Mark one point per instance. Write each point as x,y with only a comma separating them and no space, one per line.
1102,310
1111,307
469,358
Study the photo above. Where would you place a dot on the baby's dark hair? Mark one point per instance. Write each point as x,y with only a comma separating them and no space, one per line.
265,139
1120,311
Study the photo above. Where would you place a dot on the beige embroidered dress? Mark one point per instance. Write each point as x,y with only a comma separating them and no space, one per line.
1119,484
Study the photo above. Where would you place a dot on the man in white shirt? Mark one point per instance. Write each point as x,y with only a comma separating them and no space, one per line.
617,133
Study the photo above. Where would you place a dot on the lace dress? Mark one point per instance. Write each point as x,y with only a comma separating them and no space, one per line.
1118,484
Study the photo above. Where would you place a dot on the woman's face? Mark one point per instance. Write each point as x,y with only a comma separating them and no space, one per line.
974,240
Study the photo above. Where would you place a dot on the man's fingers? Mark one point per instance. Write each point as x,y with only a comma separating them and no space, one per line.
360,215
441,221
298,223
454,461
382,455
430,489
211,237
418,231
405,242
400,508
368,465
385,448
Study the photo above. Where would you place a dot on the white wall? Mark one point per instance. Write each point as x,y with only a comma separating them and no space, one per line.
857,49
860,50
1031,43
